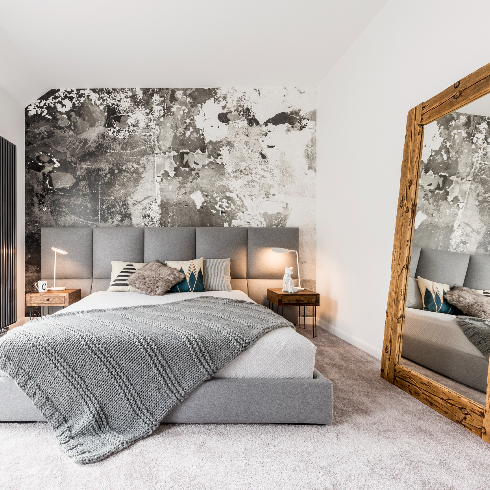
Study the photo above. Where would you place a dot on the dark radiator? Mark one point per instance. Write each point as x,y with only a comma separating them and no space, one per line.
8,242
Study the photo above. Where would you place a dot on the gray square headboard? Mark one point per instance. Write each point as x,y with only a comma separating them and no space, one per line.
254,267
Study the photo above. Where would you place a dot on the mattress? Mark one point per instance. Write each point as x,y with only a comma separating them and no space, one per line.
435,341
282,353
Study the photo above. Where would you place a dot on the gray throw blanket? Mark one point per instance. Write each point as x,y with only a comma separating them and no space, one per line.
477,331
106,378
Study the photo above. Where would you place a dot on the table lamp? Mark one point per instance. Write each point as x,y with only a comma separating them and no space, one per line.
286,251
56,251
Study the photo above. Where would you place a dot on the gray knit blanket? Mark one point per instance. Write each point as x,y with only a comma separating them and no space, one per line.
104,379
477,331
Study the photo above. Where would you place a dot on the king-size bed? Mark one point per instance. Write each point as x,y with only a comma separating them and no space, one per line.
270,380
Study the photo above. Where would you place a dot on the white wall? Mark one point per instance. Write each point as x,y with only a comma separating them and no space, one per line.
12,129
410,52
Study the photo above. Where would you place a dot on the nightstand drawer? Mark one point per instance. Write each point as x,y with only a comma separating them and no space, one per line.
43,300
297,299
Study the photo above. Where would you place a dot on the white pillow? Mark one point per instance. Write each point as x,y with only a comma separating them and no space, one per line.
119,276
217,275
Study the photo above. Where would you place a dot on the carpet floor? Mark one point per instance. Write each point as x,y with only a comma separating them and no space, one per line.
381,438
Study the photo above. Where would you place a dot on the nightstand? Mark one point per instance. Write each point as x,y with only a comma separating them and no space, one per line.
276,296
53,298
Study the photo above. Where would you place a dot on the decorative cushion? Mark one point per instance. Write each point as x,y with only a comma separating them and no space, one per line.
194,275
120,273
217,275
434,297
414,299
155,278
471,302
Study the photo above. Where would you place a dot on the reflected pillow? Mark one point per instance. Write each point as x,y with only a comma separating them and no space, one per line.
472,302
194,275
217,275
434,297
119,276
155,279
414,299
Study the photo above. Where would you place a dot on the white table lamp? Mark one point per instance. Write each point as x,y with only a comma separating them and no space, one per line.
56,251
286,251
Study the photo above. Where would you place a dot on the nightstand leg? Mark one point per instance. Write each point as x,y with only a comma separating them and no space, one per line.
304,316
30,313
314,321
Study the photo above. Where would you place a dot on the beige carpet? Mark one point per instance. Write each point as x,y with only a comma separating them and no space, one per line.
381,439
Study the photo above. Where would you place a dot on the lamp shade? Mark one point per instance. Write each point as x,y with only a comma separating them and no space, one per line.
58,250
282,250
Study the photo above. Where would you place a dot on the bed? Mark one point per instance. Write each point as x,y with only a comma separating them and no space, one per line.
274,381
434,340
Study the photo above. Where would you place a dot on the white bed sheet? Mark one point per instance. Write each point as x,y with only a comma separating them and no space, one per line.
438,328
282,353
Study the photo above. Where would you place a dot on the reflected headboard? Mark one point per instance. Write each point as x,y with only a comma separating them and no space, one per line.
254,267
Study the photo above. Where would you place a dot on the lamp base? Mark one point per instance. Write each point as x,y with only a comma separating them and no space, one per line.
57,289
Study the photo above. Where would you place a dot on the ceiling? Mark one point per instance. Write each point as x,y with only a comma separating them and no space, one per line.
166,43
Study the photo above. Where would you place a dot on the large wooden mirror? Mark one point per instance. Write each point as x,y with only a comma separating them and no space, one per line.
433,350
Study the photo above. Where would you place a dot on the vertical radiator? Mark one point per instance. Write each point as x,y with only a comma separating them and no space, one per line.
8,243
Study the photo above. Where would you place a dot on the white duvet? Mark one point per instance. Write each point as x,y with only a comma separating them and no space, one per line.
282,353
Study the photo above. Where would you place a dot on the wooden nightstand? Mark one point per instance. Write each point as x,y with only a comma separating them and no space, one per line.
305,298
53,298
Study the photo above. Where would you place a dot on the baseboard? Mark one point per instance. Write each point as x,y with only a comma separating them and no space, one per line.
349,338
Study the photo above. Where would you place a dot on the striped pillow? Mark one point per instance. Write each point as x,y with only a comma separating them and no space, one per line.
217,275
120,273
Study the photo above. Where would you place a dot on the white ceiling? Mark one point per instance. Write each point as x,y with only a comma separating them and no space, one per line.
48,44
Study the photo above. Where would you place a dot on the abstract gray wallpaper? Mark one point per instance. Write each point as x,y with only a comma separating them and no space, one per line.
171,157
453,206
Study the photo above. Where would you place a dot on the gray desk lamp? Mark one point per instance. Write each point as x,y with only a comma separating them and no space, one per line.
56,251
286,251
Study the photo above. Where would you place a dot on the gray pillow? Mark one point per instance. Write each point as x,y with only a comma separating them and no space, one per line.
155,278
217,275
414,298
469,301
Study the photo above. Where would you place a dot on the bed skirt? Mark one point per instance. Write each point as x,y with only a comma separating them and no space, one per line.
218,401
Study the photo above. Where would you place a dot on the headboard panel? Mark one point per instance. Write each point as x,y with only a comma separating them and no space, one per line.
122,243
169,244
224,243
254,267
77,242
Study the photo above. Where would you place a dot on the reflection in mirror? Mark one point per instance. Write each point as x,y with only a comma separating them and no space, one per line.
447,323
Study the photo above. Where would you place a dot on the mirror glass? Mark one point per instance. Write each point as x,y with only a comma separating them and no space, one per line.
447,323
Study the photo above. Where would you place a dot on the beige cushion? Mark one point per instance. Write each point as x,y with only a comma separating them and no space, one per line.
120,273
434,296
194,275
155,278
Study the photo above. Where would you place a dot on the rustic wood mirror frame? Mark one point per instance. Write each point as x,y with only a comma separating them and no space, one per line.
452,405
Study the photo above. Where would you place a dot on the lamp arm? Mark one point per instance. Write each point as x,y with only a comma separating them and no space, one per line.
54,274
297,264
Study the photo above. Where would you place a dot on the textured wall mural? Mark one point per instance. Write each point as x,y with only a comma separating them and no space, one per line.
453,207
171,157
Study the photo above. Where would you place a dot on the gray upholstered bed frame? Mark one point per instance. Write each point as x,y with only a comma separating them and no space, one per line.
452,268
253,269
